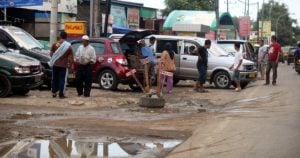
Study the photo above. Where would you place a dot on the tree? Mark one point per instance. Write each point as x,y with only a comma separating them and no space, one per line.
279,13
188,5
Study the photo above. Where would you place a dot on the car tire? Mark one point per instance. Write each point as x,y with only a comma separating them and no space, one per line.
222,80
20,91
108,80
5,86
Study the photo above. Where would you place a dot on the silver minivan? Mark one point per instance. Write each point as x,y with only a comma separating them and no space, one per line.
219,61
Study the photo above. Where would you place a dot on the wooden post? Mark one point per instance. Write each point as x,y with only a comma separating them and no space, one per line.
158,79
147,88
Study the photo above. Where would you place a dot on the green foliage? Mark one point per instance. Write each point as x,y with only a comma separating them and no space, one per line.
279,16
188,5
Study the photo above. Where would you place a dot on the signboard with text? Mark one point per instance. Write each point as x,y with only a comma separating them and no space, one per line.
20,3
266,31
244,26
133,16
76,27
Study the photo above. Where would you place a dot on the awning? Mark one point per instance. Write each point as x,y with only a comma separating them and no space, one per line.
148,13
120,30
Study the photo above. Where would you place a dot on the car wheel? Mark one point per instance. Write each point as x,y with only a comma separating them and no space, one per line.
108,80
5,86
20,91
135,87
222,80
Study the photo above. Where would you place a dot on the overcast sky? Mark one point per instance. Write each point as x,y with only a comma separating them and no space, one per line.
236,6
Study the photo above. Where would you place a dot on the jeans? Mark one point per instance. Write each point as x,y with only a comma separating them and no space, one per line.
169,80
271,65
58,80
236,75
202,73
84,79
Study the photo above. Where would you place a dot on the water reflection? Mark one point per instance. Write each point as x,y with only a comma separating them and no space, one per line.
65,148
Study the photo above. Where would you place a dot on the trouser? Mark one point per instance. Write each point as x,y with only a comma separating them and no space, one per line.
271,65
202,69
84,80
169,80
59,80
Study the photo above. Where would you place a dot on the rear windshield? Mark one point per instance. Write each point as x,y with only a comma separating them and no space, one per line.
98,46
116,48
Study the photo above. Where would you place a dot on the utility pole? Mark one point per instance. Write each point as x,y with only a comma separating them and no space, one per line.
5,15
53,22
108,6
91,17
96,21
257,21
248,8
217,18
227,7
245,10
262,20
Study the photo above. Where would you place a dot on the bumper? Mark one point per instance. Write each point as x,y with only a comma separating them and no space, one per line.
297,67
248,76
26,82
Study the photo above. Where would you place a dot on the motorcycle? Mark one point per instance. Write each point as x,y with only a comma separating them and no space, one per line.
297,66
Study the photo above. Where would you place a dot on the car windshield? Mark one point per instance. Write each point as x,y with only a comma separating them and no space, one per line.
2,48
228,47
215,49
24,39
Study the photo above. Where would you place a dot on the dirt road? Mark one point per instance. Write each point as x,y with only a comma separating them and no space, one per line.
265,124
260,121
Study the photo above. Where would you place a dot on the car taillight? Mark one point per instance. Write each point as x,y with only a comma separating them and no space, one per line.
121,60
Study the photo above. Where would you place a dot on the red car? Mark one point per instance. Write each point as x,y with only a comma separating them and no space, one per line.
111,64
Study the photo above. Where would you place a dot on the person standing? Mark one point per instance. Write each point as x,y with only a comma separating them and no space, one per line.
274,52
262,58
85,57
202,66
61,58
152,41
237,66
168,66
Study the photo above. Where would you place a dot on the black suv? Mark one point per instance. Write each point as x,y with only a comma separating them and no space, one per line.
18,73
16,38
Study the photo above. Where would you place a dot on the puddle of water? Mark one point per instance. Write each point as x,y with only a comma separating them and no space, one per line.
66,148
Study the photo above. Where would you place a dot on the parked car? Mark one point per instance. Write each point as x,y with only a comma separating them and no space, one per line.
247,48
219,61
18,73
111,65
16,38
290,56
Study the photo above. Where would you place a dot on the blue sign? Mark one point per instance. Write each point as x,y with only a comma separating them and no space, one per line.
20,3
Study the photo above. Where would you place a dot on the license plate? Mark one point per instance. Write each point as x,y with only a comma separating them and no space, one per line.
71,76
37,78
252,75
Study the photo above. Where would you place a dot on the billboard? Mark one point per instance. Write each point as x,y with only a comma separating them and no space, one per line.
119,16
20,3
133,16
244,26
267,30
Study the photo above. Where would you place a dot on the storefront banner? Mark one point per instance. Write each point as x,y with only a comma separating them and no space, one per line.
119,16
20,3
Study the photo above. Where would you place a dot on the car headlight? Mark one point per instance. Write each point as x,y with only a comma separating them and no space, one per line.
22,69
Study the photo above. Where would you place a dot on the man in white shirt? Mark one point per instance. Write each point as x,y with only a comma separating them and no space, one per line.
262,58
85,57
237,66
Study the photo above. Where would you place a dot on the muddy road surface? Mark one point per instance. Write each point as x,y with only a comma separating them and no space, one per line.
260,121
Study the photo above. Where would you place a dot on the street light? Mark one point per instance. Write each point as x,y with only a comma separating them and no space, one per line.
278,21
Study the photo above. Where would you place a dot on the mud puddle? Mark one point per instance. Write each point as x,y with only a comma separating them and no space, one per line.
68,148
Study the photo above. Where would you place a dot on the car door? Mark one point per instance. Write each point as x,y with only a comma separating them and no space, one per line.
188,60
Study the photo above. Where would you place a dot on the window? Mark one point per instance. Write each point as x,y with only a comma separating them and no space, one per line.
116,48
99,47
190,48
160,45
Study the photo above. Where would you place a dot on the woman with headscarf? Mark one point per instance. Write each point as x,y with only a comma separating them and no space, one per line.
168,66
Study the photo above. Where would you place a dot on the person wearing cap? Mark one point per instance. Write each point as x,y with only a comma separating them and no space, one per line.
85,57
